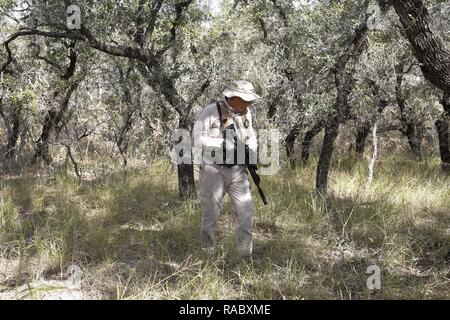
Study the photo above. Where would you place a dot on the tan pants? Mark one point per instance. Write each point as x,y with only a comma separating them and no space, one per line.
216,181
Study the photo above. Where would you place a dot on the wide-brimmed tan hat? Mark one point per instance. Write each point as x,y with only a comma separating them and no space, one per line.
242,89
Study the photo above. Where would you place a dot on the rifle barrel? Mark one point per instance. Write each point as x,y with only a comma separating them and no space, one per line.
257,181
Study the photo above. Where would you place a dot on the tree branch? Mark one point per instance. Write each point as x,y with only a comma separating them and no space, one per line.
179,9
84,35
73,62
152,21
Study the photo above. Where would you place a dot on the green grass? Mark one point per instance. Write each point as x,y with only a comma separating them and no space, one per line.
134,239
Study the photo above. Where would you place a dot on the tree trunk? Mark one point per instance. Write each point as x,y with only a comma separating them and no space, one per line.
13,127
159,81
41,151
13,136
415,136
166,85
324,164
443,133
290,143
307,141
186,180
53,120
342,111
132,101
186,177
428,47
273,109
362,132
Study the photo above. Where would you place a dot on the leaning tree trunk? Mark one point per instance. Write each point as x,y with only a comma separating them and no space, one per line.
323,166
122,139
186,176
340,114
428,47
165,84
42,151
343,82
442,128
290,143
53,119
307,141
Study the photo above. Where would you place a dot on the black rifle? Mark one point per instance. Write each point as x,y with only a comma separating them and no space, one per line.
255,176
251,167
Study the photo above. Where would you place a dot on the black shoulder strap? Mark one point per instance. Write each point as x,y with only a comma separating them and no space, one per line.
219,110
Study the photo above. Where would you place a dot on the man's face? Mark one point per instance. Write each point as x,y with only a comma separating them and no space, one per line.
239,104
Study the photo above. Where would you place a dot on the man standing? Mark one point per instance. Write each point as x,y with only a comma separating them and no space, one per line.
220,132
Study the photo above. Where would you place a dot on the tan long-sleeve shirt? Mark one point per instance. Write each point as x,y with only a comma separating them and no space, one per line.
207,132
